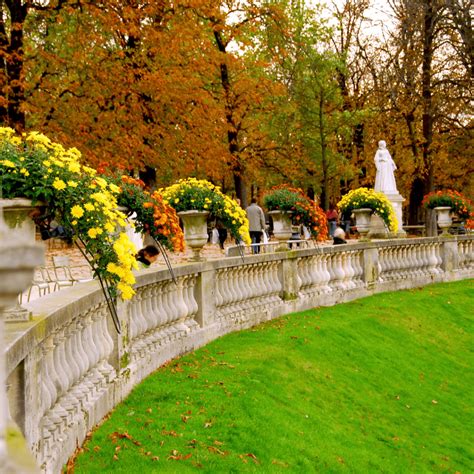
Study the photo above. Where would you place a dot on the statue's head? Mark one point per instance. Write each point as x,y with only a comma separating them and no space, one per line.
382,144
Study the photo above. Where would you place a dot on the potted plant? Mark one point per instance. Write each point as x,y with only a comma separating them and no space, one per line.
80,201
152,215
195,200
289,205
446,202
363,202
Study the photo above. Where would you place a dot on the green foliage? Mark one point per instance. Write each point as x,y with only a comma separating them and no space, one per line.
201,195
375,385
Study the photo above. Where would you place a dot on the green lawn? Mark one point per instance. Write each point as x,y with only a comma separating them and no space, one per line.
382,384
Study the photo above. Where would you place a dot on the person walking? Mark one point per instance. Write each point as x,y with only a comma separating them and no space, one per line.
256,224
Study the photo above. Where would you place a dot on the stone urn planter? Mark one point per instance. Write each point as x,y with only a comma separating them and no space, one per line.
362,221
281,227
195,230
16,215
19,229
444,220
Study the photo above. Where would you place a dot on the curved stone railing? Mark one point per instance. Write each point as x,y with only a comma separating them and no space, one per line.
68,367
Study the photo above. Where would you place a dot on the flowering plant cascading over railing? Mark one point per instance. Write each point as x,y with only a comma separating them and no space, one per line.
364,198
459,204
303,209
201,195
152,216
79,200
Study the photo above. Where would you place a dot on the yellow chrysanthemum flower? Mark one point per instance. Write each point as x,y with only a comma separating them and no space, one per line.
59,184
77,211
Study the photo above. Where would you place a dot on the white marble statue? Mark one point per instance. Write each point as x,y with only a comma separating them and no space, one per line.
384,178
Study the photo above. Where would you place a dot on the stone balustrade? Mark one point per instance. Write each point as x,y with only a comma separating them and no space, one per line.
67,368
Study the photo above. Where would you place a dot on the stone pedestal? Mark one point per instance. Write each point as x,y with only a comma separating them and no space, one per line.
378,229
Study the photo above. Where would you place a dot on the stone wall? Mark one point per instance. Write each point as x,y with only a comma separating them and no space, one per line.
68,367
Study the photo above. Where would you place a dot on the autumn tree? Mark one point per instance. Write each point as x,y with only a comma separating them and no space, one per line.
129,84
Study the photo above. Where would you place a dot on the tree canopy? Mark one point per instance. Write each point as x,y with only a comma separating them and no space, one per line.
250,93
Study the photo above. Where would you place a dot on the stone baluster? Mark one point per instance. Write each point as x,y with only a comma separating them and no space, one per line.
432,260
168,305
219,298
302,265
262,289
106,369
338,271
251,283
49,392
134,330
330,261
233,285
421,259
147,312
276,281
312,274
192,304
325,286
315,275
409,261
86,385
418,259
392,263
160,315
397,262
225,289
182,309
405,261
243,287
247,290
179,311
349,270
61,380
93,376
358,268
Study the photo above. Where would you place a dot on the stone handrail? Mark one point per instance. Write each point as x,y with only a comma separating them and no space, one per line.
68,367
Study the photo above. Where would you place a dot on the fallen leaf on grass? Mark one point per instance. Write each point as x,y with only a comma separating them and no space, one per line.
169,433
280,463
215,450
176,456
251,456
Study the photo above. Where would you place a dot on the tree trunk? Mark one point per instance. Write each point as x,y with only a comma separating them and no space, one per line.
13,51
324,162
430,19
232,134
